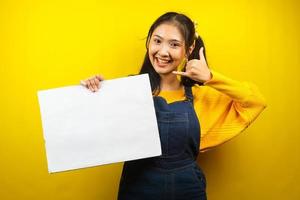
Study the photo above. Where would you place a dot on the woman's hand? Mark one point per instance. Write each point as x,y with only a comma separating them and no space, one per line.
92,83
197,69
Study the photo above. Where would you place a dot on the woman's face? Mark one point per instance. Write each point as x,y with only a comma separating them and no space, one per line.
166,49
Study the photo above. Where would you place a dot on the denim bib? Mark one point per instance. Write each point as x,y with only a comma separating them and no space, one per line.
175,174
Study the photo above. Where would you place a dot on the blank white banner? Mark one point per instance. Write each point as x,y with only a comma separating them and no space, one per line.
84,129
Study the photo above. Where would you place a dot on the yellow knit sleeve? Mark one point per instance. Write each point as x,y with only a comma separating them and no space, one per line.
225,107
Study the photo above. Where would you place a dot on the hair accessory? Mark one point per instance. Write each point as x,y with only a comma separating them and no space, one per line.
195,26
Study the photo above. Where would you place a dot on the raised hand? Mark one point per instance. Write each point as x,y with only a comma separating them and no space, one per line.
197,69
92,83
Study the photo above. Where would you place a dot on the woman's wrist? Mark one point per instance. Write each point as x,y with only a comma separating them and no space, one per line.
208,77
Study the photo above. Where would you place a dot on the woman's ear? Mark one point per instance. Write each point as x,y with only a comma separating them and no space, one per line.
147,42
191,48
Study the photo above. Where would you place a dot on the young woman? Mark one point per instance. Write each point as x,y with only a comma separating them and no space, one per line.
196,109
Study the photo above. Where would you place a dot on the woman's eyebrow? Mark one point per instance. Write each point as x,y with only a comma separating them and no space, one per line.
172,40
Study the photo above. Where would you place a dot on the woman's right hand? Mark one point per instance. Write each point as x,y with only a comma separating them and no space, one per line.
92,83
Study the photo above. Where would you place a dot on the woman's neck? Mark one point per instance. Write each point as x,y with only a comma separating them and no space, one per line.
169,82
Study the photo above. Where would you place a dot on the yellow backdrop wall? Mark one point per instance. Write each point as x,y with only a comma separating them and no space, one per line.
52,43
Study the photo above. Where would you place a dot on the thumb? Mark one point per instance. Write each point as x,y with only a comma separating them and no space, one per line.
201,54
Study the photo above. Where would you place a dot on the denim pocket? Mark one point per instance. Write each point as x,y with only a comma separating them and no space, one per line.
173,127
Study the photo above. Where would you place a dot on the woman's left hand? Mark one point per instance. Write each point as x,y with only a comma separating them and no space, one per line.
197,69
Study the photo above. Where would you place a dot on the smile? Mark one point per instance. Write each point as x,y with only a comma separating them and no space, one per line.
162,62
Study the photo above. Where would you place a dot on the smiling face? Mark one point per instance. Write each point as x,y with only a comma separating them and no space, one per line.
166,49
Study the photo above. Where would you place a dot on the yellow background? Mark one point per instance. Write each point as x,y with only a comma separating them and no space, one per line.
52,43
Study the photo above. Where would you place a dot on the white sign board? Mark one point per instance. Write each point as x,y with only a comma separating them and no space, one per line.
115,124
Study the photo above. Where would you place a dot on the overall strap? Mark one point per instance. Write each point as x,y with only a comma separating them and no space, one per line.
189,94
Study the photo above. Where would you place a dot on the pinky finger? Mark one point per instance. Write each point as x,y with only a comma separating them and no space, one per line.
180,73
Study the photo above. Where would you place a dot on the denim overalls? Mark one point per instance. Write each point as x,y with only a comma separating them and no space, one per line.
175,174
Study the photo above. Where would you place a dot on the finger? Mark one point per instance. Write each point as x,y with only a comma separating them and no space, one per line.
201,54
93,84
89,86
97,82
99,78
180,73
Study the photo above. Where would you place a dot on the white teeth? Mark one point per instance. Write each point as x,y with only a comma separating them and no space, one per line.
163,61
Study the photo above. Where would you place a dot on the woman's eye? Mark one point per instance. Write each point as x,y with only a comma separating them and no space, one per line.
157,41
174,45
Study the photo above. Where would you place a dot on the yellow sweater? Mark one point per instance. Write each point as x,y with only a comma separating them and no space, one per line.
224,107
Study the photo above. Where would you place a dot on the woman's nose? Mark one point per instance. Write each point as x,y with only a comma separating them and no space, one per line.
164,50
